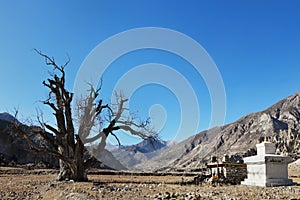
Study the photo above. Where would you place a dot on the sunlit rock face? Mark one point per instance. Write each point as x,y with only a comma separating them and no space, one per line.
280,122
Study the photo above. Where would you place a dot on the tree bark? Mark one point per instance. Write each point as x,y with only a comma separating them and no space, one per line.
75,171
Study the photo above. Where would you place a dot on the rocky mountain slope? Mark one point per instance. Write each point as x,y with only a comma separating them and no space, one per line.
14,150
279,122
132,155
7,117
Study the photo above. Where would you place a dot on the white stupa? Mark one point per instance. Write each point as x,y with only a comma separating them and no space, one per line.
266,168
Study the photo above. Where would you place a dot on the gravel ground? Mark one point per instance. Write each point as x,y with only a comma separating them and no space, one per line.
33,184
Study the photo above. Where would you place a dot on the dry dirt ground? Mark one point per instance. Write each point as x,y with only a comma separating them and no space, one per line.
18,183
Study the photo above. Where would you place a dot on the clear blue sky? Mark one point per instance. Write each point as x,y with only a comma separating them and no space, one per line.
255,45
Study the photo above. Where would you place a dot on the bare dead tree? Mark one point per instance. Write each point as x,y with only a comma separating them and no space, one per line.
68,144
117,118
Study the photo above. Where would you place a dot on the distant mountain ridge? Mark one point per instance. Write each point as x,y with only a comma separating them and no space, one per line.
146,146
132,155
14,148
280,123
7,117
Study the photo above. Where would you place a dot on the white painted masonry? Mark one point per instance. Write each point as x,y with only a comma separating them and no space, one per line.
266,168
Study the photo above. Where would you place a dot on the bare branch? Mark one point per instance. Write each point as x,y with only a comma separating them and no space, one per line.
51,61
52,129
116,138
93,139
19,129
67,62
133,132
90,162
45,135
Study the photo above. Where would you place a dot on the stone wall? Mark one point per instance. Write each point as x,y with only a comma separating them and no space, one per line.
228,172
235,173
